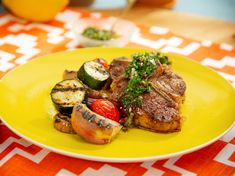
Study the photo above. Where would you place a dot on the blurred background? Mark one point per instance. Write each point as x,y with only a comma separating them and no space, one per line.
222,9
201,19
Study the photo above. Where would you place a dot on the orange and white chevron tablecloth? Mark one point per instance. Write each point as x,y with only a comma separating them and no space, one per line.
21,40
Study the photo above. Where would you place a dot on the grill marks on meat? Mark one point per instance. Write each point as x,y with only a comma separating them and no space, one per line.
160,109
144,121
118,67
117,87
170,83
119,82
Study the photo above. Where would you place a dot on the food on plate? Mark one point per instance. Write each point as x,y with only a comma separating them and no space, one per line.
93,127
140,92
68,74
106,109
118,67
93,74
150,91
66,94
103,62
99,34
63,123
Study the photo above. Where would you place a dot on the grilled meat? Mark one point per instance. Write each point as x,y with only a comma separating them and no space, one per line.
170,83
118,67
160,108
117,87
144,121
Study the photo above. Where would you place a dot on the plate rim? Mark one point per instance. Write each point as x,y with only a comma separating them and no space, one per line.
115,159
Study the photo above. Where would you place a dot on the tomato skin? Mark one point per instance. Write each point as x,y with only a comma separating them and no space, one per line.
103,62
106,108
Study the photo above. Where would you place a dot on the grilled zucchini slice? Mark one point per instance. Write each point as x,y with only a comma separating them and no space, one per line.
93,74
66,94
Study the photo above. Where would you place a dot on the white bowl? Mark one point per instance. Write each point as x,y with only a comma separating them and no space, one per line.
123,28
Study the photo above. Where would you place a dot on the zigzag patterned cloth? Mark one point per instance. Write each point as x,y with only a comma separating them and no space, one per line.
20,41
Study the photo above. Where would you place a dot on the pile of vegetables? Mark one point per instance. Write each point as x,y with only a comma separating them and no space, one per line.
96,120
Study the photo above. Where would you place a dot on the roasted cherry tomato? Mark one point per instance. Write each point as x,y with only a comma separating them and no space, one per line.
105,108
103,62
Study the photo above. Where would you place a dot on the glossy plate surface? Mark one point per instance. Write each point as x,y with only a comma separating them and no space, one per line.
26,108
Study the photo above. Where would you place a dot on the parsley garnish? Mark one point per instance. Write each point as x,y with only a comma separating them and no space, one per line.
140,68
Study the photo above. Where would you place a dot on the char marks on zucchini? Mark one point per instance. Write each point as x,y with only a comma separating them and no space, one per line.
93,74
66,94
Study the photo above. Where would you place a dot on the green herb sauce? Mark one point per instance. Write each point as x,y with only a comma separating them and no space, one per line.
140,68
96,34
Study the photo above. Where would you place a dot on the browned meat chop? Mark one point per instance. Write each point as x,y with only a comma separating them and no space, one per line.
160,109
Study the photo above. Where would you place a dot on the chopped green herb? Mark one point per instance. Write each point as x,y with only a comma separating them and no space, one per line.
94,33
132,94
129,120
140,68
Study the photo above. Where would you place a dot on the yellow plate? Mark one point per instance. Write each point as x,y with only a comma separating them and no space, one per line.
26,108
